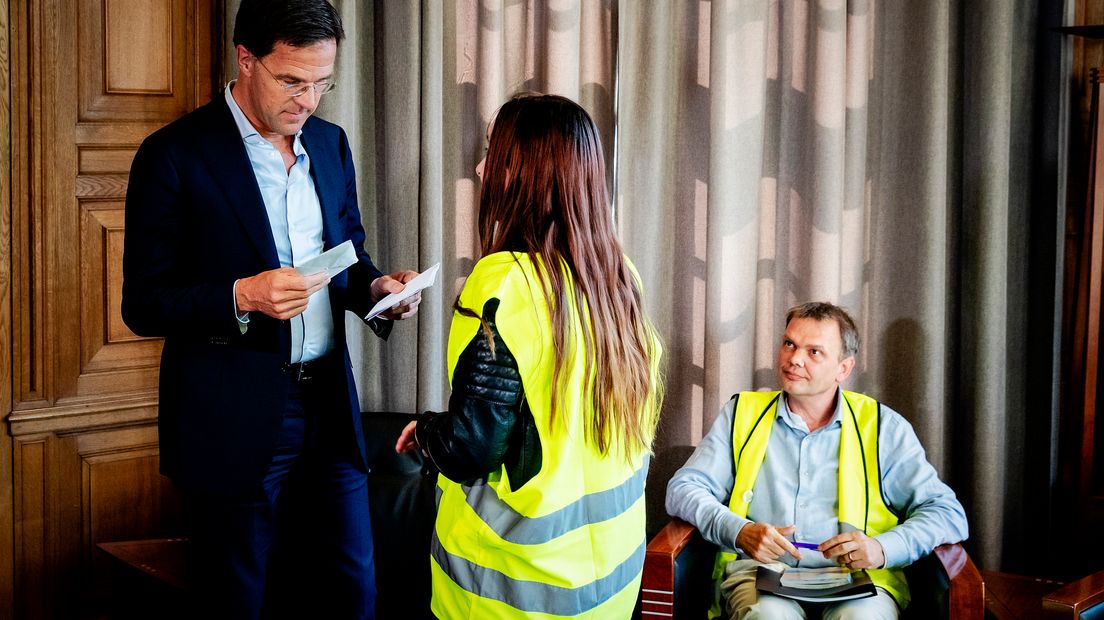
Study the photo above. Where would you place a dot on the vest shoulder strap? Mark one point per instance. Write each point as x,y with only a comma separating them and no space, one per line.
752,420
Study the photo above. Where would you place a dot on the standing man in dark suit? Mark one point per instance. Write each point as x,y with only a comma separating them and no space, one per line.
256,383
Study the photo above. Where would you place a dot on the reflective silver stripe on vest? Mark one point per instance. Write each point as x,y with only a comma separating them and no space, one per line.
515,527
534,596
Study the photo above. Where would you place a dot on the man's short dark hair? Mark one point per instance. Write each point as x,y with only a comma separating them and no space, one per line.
824,311
261,24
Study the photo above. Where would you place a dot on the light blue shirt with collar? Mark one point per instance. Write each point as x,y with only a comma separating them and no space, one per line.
295,217
797,485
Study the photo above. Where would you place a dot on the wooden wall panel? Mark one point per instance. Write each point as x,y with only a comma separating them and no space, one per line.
116,331
104,486
141,27
140,65
113,86
30,528
92,79
123,497
107,344
25,120
7,497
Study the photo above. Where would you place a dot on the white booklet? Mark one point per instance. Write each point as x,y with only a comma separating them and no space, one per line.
815,578
423,280
333,261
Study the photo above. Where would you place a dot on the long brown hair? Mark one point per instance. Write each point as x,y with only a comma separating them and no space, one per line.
544,193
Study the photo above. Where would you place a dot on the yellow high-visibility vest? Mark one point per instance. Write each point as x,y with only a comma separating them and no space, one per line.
570,542
861,503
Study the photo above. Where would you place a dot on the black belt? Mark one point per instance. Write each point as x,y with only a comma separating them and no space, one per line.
301,372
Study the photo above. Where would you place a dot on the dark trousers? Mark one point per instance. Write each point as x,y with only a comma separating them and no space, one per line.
314,497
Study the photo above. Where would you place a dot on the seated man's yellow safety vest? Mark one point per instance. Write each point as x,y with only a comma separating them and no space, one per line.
861,504
570,542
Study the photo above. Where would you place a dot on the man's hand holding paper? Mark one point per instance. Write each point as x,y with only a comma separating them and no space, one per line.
391,285
283,293
398,295
280,293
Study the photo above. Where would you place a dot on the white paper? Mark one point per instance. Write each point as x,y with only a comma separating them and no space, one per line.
423,280
333,261
816,578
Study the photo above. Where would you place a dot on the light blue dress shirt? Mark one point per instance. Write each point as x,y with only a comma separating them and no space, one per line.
295,216
797,485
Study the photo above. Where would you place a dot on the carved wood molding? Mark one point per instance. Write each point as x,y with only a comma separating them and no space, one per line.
84,416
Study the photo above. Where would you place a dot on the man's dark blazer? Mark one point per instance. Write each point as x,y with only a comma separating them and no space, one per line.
195,223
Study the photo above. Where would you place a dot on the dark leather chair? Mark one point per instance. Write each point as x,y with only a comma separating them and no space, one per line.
403,502
678,567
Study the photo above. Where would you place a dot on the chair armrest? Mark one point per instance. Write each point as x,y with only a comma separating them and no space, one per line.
677,573
1072,599
659,561
967,590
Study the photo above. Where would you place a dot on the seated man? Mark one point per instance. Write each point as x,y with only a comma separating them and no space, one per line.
814,464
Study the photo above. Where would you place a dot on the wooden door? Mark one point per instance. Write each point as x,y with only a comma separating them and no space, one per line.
90,79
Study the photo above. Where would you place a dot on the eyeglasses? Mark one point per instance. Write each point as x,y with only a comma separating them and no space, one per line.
294,89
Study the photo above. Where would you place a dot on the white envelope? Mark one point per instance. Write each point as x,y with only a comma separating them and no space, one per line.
333,261
423,280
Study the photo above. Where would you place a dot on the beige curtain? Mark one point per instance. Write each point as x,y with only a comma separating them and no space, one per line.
419,82
874,154
866,152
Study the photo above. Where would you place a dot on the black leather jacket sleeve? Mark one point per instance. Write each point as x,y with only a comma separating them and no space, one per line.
487,414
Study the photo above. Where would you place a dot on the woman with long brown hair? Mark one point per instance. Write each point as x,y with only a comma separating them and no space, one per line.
556,389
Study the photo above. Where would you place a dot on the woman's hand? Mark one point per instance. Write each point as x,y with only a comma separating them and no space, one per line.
407,441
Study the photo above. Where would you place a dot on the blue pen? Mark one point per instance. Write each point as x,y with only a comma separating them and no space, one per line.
805,545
